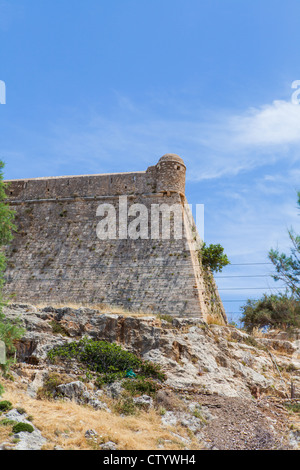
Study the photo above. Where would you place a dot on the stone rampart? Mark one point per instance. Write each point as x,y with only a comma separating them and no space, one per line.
57,255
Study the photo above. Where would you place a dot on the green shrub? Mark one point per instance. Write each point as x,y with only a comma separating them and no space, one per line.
1,390
141,385
109,378
58,329
98,356
8,422
126,406
151,369
49,386
5,405
294,407
165,317
10,330
22,427
105,358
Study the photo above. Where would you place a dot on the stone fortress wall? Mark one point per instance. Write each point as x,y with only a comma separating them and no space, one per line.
56,255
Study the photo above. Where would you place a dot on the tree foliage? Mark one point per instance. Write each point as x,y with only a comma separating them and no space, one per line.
6,227
288,266
9,331
273,311
282,310
213,257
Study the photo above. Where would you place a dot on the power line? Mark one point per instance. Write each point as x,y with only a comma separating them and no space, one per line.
254,288
238,300
247,275
244,264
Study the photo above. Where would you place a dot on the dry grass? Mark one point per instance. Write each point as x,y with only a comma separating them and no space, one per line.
258,333
64,424
4,433
214,320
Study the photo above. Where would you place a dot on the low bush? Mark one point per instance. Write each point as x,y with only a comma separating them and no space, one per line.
5,405
49,386
165,317
294,407
22,427
58,329
109,378
141,385
126,406
105,358
8,422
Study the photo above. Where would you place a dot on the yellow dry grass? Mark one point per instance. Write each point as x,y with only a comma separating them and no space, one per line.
4,433
214,320
64,424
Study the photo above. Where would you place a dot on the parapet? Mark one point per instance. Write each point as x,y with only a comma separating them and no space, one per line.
168,175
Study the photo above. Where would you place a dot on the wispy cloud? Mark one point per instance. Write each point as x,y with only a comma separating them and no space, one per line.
133,136
227,144
259,136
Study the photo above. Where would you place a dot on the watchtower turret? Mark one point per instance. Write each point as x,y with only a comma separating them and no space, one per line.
170,174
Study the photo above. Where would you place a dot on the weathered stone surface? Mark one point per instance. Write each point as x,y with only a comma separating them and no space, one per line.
26,440
219,379
72,391
56,254
143,401
210,358
2,352
78,392
36,383
109,446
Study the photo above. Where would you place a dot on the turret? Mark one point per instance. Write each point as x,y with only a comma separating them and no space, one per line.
170,174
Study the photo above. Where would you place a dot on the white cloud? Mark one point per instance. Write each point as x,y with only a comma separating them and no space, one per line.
275,124
223,144
259,136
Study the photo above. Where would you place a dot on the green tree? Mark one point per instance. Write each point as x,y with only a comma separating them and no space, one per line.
213,257
282,310
288,266
273,311
6,226
9,331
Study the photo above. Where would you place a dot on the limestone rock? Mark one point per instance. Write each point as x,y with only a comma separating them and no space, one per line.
26,440
109,446
78,392
144,401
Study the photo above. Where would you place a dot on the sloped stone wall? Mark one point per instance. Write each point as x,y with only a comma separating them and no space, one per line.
56,255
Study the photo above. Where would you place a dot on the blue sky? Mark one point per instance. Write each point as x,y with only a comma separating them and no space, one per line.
96,86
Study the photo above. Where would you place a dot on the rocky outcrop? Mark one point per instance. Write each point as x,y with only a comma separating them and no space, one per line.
219,379
24,440
213,359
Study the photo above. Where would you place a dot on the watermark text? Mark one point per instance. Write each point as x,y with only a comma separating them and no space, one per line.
2,92
156,221
296,95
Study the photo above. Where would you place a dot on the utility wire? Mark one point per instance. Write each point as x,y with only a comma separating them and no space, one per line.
244,264
247,275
